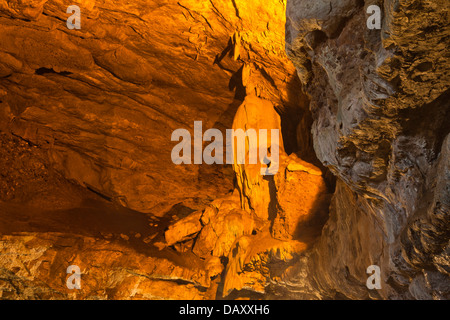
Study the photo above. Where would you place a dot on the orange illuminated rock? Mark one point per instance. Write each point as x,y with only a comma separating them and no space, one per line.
109,270
301,195
223,226
294,194
256,189
250,258
104,100
214,266
184,229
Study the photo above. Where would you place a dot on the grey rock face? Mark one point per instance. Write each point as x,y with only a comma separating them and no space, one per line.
380,105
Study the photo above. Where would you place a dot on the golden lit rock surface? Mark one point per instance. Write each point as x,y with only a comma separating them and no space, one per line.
31,265
302,197
249,261
184,229
87,179
256,113
380,110
100,104
223,224
104,99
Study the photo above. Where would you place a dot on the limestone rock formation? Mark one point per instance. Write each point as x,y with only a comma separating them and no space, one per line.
87,179
256,261
380,105
184,229
104,100
256,190
30,269
301,198
224,222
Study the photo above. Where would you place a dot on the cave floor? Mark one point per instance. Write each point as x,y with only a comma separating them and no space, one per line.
95,219
47,223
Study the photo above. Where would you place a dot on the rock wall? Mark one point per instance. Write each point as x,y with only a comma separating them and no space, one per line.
104,100
380,105
97,107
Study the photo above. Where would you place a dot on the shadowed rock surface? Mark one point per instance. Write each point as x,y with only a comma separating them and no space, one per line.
380,105
105,99
87,179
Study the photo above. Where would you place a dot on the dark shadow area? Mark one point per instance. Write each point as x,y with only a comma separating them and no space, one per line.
296,123
430,121
315,38
309,231
236,84
43,71
97,219
227,51
273,199
243,294
91,218
291,114
180,210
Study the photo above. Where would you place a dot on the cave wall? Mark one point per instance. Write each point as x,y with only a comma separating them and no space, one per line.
101,103
380,105
98,105
104,100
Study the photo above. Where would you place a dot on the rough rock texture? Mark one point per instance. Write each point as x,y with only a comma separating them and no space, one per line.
250,247
224,222
105,99
302,197
380,105
256,189
33,266
97,107
86,118
184,229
